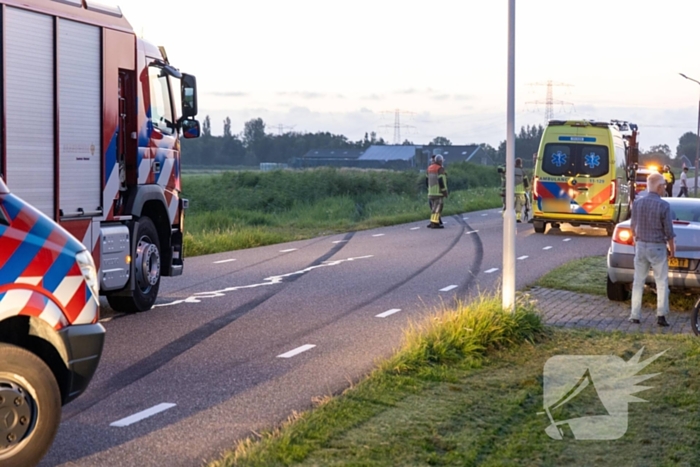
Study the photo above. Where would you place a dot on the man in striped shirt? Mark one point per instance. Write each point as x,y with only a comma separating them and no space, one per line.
652,227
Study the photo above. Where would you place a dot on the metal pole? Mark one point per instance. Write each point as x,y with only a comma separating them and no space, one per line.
509,215
697,154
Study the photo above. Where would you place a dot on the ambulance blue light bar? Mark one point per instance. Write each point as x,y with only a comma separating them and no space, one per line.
581,139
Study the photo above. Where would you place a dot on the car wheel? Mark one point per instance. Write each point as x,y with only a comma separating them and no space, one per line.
617,292
694,323
30,406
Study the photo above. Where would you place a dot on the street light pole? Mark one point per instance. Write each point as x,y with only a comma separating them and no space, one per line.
509,214
697,144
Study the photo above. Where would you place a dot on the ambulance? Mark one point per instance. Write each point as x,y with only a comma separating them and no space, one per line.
50,337
581,174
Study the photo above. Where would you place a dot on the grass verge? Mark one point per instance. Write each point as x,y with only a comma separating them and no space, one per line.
589,275
436,351
449,399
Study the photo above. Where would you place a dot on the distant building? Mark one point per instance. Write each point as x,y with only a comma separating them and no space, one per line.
472,153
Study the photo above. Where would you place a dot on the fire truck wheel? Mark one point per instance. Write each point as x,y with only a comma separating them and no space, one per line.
30,407
146,272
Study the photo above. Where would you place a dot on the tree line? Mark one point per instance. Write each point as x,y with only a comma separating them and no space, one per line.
254,145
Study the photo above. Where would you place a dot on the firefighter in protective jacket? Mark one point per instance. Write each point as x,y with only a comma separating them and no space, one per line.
437,191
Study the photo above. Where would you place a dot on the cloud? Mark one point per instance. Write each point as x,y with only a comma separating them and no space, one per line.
229,93
441,97
303,94
373,97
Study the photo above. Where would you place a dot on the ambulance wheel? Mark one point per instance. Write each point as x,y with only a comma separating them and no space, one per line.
540,226
146,272
609,230
616,292
30,407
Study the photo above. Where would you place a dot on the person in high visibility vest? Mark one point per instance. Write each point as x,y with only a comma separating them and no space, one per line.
521,186
670,180
437,191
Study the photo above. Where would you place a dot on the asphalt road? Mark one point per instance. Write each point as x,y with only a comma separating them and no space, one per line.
245,338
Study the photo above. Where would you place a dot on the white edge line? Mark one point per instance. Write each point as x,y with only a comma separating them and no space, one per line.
388,313
137,417
224,261
287,251
448,288
489,271
523,257
296,351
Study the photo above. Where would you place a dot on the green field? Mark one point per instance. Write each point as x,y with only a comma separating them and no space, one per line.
244,209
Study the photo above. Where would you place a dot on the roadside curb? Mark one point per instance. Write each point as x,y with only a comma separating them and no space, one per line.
577,310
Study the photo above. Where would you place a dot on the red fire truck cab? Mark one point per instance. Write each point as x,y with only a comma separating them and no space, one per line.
91,119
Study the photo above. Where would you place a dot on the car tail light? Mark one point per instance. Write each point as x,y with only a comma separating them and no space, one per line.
613,187
623,236
535,187
681,222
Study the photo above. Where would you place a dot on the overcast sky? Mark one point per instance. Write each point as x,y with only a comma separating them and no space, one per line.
346,67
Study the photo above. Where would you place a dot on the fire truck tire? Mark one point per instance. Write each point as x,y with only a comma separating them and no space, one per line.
30,407
146,272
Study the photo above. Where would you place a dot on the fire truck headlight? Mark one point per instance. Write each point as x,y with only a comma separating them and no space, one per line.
87,268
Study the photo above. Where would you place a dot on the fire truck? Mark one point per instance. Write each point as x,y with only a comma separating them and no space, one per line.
90,130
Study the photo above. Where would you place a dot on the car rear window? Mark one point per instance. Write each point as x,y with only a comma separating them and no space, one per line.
576,159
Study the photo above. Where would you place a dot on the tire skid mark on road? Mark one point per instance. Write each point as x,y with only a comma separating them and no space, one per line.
147,365
335,249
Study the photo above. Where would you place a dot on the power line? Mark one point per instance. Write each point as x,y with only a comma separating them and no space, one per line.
281,128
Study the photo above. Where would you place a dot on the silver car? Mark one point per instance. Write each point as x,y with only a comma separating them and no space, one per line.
683,269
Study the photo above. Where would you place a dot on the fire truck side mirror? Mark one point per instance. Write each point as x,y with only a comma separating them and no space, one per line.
189,96
190,129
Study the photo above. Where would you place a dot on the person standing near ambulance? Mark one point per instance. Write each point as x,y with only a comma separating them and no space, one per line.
437,191
521,186
670,179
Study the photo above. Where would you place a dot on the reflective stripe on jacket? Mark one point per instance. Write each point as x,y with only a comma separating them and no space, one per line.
521,182
437,180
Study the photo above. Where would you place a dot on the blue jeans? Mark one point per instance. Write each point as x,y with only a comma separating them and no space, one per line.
646,256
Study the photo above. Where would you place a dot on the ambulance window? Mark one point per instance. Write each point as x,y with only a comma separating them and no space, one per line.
593,161
557,159
161,110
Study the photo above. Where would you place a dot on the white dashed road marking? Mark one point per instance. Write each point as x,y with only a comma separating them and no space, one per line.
137,417
472,232
378,235
224,261
484,215
340,241
448,288
567,240
415,228
547,248
490,271
388,313
523,257
296,351
287,251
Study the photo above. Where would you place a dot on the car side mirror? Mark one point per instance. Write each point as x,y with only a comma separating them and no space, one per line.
190,129
189,96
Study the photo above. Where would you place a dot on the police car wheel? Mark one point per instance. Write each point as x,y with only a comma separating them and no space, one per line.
30,407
